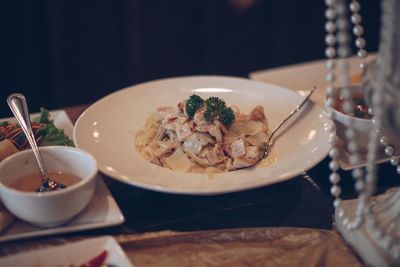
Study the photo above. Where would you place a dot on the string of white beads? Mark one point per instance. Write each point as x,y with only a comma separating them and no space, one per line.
343,40
390,151
381,233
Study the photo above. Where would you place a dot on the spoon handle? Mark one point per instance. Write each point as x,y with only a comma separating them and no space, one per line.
19,108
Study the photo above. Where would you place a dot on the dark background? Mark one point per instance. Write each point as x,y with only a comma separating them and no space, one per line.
67,52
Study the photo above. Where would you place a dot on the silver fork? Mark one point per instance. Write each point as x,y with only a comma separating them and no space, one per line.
270,140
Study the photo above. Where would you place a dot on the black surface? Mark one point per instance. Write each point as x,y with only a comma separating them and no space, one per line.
67,52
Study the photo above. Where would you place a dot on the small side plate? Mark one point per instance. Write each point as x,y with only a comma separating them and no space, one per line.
71,254
344,158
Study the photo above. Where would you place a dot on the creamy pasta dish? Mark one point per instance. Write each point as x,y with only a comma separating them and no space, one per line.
203,135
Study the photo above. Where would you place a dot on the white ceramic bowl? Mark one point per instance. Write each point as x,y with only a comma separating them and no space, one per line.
362,127
54,208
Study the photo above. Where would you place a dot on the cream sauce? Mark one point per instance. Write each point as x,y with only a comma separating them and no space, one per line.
271,158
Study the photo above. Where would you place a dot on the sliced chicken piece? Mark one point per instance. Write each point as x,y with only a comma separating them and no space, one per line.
243,128
223,128
216,132
199,159
253,154
178,161
205,138
258,139
169,123
183,131
238,148
229,139
212,129
193,144
257,114
215,155
242,118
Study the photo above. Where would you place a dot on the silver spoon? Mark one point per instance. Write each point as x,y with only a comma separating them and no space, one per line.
270,141
19,108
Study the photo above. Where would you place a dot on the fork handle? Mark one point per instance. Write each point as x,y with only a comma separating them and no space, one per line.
294,111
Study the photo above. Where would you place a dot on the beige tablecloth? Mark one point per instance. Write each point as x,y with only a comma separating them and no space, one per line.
241,247
256,247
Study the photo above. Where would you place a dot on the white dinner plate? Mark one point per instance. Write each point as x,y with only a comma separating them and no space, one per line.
107,130
102,210
71,254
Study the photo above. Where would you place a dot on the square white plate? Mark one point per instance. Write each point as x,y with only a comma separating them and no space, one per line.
102,211
304,76
71,254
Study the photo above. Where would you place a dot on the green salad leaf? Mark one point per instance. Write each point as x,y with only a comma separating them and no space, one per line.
51,135
44,116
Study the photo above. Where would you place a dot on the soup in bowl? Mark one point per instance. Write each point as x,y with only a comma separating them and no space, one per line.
359,118
20,177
